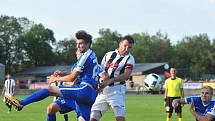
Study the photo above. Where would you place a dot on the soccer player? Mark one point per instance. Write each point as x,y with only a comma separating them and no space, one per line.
8,90
84,94
118,65
173,90
63,106
202,107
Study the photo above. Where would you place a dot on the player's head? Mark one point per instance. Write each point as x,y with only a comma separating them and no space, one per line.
206,94
84,40
125,44
172,72
8,76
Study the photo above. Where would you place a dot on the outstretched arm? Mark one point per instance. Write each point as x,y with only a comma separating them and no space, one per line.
177,102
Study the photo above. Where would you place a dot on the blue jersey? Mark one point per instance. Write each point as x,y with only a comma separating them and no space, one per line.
201,108
87,65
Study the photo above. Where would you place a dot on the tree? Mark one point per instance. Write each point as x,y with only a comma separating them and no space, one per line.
10,31
140,49
107,41
37,46
194,55
65,51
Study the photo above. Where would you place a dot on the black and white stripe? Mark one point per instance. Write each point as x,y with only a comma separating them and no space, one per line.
9,87
115,64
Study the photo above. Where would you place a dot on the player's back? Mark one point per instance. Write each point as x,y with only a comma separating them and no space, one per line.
9,86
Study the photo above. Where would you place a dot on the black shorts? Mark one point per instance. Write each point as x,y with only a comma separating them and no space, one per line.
169,108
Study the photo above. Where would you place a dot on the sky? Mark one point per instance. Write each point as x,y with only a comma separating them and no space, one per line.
177,18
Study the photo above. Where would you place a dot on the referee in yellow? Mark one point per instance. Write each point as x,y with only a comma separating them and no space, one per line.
173,90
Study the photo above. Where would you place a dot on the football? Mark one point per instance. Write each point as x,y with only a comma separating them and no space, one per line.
152,82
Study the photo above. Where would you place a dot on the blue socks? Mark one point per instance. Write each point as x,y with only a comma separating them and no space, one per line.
51,117
37,96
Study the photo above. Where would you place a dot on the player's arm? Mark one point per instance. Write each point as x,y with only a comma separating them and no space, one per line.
68,78
182,93
3,90
182,89
165,93
121,77
177,102
14,86
207,117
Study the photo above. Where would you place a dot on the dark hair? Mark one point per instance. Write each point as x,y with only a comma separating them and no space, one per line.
128,38
84,35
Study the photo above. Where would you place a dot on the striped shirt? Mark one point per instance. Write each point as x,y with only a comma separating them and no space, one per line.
9,85
115,64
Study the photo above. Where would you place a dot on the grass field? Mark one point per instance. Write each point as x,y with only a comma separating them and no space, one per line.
138,108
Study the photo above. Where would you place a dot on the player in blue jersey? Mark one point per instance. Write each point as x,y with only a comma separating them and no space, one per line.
63,106
202,107
84,94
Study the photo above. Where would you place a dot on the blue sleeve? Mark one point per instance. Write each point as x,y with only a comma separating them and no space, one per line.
188,100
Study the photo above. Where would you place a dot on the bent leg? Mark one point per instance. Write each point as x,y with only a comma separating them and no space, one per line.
52,109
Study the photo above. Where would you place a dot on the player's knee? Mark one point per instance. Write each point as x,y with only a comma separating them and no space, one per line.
120,118
80,118
52,108
95,115
119,111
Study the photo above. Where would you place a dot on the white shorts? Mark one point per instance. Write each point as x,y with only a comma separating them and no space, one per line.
112,96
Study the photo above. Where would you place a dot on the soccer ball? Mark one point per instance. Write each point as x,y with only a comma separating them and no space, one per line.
152,82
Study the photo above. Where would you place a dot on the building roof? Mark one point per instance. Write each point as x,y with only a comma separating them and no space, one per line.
44,70
140,68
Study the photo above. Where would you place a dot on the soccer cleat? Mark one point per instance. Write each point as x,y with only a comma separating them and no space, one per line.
14,102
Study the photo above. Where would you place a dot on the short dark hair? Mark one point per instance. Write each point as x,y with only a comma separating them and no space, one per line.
128,38
84,35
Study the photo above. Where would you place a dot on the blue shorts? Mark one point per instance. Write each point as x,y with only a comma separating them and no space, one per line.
65,105
83,95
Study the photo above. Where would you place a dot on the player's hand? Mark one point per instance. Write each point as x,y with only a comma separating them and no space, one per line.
164,103
51,79
106,83
175,103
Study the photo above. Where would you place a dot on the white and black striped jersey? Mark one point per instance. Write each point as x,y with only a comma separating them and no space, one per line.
9,85
115,64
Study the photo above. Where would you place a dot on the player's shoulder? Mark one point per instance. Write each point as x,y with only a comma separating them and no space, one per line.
111,52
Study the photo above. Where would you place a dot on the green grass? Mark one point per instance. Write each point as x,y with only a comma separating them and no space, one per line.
138,108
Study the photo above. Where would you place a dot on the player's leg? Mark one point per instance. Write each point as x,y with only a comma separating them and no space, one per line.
52,109
8,105
37,96
66,117
99,108
169,108
117,103
178,110
60,105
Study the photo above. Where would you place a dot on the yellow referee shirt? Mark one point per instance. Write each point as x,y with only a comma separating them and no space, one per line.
173,87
